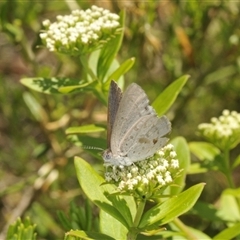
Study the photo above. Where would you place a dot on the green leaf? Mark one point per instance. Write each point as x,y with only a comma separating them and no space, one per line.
236,162
228,208
85,129
228,233
109,51
75,88
92,62
196,168
206,211
220,74
42,217
121,70
21,229
83,235
165,212
183,156
192,232
165,99
97,192
234,192
125,204
112,227
35,107
208,155
79,217
204,150
64,220
49,85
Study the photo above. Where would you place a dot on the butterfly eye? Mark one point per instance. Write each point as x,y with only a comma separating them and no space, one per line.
107,154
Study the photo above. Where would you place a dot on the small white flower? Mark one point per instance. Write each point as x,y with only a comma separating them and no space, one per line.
129,175
160,168
134,170
168,179
173,154
43,35
84,39
145,181
150,175
169,147
134,182
160,180
108,178
160,153
174,163
226,112
46,23
165,163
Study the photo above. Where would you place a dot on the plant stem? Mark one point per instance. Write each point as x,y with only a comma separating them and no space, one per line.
228,173
84,61
188,234
133,232
139,213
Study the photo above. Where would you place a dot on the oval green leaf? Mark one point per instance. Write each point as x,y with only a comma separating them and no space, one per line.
121,70
83,235
165,212
113,227
166,98
35,107
228,233
183,156
69,89
91,128
97,192
204,150
48,85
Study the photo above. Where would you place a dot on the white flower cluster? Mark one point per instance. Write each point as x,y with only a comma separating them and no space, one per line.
155,172
224,131
81,31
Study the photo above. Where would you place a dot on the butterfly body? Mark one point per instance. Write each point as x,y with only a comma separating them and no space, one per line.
135,132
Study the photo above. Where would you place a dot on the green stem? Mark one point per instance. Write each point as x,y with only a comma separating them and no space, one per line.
133,232
188,234
228,172
84,61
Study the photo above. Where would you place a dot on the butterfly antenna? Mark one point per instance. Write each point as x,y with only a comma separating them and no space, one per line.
93,148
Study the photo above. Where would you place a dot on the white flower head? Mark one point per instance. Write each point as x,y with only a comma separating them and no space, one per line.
86,31
154,173
224,131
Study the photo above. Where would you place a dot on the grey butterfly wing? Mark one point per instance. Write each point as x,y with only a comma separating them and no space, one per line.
145,137
114,98
133,105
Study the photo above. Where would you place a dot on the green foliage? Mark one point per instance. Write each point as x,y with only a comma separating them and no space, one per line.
78,217
41,134
183,153
165,100
22,230
123,208
98,193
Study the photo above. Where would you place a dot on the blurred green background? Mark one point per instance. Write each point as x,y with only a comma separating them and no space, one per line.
168,39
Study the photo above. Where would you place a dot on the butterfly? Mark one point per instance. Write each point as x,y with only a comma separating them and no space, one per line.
134,131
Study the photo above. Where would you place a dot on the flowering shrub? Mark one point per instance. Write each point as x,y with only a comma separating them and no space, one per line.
95,36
